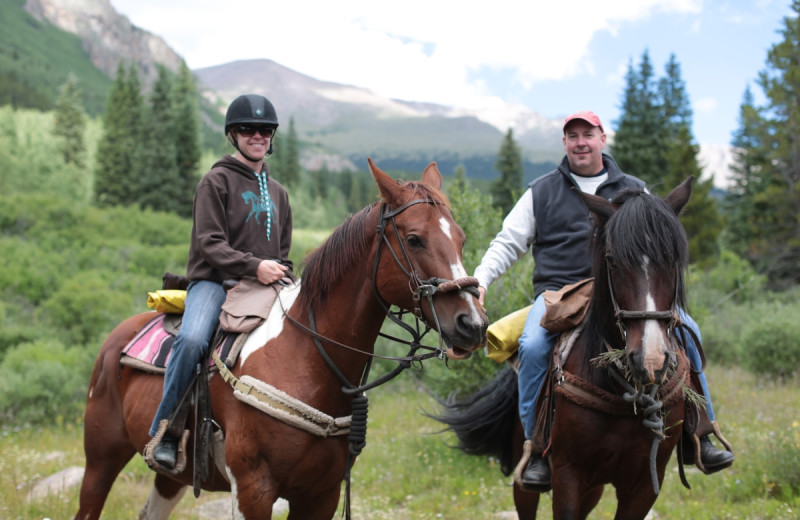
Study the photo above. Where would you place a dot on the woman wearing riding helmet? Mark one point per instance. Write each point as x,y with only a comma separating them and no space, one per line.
242,227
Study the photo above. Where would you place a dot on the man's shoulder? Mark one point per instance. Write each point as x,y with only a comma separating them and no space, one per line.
546,180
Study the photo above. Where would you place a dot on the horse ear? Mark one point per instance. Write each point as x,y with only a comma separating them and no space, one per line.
432,177
600,207
678,197
390,190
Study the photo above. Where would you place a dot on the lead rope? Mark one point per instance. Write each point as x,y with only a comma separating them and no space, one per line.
652,419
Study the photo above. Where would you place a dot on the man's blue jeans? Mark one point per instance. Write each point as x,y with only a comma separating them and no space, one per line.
536,346
204,300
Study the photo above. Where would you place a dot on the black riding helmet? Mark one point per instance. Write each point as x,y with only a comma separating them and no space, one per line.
250,109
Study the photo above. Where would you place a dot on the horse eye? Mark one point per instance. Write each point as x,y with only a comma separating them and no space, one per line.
414,241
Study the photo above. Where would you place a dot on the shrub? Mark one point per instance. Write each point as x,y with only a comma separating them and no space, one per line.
770,341
731,279
90,304
42,381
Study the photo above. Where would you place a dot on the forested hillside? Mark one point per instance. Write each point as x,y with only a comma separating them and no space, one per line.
36,59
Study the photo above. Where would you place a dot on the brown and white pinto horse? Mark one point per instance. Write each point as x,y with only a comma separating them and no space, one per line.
347,287
610,426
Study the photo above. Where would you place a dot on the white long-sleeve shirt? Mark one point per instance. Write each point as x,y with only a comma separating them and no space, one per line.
518,232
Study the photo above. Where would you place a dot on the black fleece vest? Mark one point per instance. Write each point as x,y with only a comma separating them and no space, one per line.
563,225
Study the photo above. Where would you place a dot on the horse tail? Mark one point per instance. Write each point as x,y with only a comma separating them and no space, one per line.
484,421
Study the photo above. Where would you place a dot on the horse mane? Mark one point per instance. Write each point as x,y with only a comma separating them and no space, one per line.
348,244
643,225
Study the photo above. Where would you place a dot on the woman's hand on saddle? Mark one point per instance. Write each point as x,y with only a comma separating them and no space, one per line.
270,271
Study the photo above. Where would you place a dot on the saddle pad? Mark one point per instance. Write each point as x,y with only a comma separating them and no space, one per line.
151,348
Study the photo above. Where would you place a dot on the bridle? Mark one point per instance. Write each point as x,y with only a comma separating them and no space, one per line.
649,402
621,315
420,289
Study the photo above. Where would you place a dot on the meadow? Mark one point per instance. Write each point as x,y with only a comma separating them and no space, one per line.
409,471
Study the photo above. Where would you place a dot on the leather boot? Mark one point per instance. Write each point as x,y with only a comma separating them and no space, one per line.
166,452
713,458
536,476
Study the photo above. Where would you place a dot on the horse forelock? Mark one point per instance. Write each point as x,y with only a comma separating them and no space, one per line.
646,225
418,190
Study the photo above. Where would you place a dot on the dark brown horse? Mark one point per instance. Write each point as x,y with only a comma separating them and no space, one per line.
402,251
616,418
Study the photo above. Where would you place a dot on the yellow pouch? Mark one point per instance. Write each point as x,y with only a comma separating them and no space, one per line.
169,301
503,335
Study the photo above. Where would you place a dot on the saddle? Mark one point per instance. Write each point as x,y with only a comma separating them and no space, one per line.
247,306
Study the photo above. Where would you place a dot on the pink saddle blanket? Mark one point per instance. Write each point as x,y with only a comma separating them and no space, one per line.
151,348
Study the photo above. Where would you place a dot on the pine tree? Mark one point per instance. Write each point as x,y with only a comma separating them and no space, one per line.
776,194
289,157
186,136
158,180
70,123
460,183
655,143
701,218
673,99
115,174
507,187
750,162
638,130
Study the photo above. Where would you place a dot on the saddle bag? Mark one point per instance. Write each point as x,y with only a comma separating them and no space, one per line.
566,308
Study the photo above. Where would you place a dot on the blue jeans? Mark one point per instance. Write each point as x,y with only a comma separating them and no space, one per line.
204,300
536,346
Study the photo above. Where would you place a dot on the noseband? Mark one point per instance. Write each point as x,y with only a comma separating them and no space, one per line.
621,315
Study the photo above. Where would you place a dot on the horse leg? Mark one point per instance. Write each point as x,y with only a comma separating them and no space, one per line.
526,502
103,463
572,500
106,445
321,507
164,496
636,498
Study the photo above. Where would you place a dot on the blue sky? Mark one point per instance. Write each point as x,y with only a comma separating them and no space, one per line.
552,57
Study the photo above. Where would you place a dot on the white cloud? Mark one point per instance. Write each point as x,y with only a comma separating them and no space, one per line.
422,50
705,105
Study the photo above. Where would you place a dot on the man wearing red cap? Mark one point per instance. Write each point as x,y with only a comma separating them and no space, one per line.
550,218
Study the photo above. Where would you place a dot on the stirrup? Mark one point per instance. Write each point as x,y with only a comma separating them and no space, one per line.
695,444
180,462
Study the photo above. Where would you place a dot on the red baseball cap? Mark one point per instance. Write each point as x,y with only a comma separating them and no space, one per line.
585,115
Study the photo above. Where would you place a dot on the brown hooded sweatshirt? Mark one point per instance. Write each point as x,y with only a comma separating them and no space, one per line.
229,233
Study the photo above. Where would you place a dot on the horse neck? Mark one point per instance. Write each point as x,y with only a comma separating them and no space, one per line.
599,333
351,316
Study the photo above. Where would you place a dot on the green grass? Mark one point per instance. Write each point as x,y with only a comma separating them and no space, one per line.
407,471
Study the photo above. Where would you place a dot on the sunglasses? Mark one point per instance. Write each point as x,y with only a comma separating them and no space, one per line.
250,131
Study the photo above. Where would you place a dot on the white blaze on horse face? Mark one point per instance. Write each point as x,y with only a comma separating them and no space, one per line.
457,268
653,340
273,324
